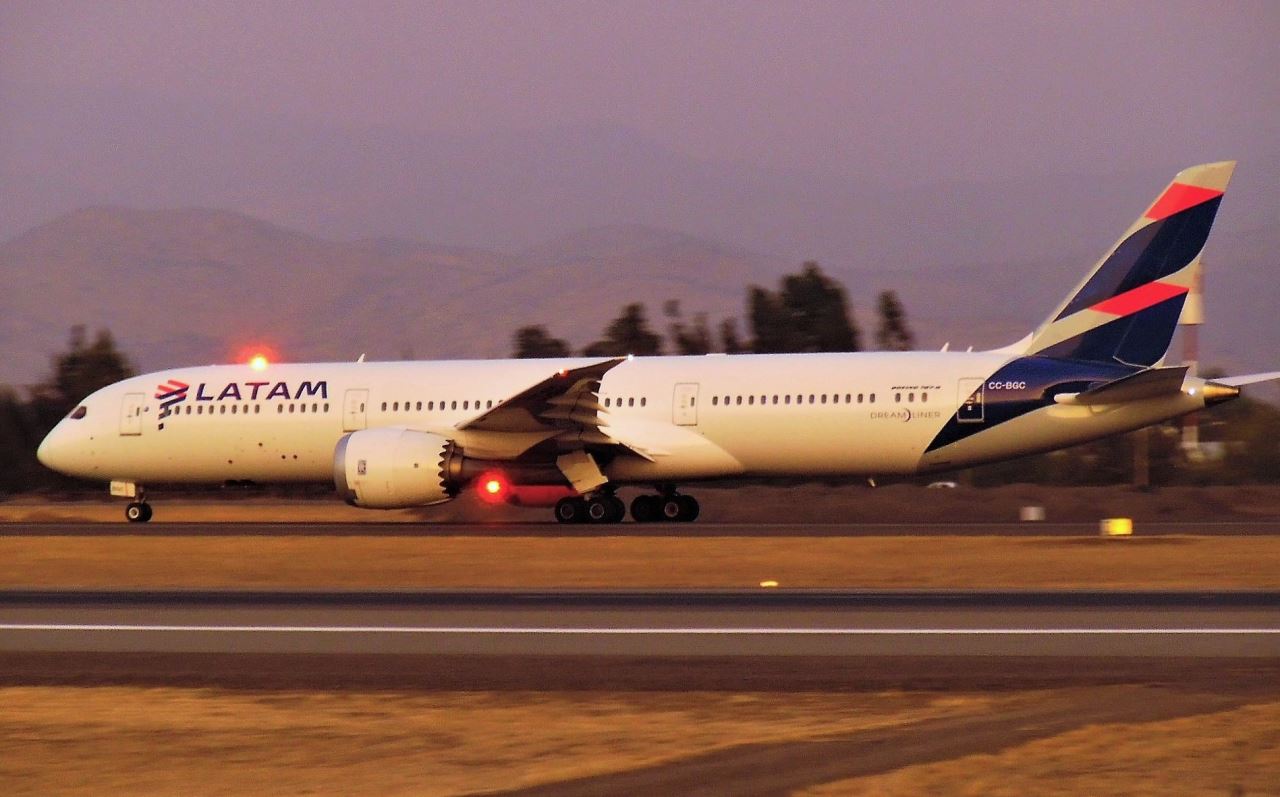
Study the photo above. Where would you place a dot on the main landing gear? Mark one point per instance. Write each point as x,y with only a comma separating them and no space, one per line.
669,507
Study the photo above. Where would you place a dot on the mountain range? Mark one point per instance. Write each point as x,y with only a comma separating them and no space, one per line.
202,285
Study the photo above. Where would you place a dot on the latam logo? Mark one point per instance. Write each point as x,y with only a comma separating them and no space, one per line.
175,392
171,393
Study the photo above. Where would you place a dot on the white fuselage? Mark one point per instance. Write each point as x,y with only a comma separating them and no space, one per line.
696,418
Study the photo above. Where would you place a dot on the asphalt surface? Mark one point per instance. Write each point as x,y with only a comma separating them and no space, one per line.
628,529
760,623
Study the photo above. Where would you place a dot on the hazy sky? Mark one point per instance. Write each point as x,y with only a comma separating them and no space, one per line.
911,89
901,144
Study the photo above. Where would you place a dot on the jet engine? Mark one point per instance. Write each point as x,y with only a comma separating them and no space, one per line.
394,468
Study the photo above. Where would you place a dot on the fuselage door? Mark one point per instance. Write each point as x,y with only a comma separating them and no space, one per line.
684,407
131,413
971,401
354,412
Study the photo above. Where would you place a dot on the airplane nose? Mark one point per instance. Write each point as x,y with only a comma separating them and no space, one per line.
54,450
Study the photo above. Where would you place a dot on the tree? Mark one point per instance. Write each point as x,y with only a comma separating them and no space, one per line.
892,334
808,313
83,368
629,333
534,341
730,343
692,339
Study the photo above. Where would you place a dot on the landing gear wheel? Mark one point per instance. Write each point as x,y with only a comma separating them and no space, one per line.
689,508
677,508
644,509
605,509
571,510
138,512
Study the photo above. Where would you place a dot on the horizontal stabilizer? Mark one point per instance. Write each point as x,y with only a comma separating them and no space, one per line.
1247,379
1151,383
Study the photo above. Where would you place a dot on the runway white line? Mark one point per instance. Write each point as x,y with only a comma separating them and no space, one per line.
457,630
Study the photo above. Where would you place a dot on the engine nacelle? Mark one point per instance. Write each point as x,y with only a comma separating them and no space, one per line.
393,468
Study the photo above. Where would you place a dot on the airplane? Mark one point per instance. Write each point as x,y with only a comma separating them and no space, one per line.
567,433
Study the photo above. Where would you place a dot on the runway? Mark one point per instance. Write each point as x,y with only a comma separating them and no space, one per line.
759,623
698,529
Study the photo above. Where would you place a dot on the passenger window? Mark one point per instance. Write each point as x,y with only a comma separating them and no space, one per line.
279,409
395,406
848,398
78,413
924,397
302,408
631,402
810,398
290,408
738,400
222,409
188,409
454,405
466,405
692,402
488,404
431,405
873,398
326,406
258,407
775,398
911,397
384,406
897,398
715,401
315,407
233,409
824,398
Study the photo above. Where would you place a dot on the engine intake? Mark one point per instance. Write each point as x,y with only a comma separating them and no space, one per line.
394,468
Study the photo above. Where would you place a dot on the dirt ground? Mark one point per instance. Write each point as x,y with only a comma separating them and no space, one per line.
1132,738
639,562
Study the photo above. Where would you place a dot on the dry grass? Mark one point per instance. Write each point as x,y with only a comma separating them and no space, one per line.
1232,753
638,562
126,740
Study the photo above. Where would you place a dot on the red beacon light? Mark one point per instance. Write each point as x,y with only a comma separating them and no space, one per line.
492,487
258,362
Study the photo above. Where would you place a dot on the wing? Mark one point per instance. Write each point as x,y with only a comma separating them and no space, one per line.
565,405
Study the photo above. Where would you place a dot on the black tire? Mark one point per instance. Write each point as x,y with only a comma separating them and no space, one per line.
689,508
137,512
669,508
146,512
644,509
617,509
600,509
571,510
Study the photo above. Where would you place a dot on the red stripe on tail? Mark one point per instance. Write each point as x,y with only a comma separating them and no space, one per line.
1139,298
1180,197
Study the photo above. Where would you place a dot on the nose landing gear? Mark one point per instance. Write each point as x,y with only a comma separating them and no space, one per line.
138,512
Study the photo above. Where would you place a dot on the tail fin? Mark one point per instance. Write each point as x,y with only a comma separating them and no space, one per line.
1126,310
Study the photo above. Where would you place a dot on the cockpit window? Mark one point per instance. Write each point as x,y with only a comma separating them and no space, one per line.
78,413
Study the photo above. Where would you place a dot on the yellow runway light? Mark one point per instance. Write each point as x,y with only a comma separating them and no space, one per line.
1117,527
